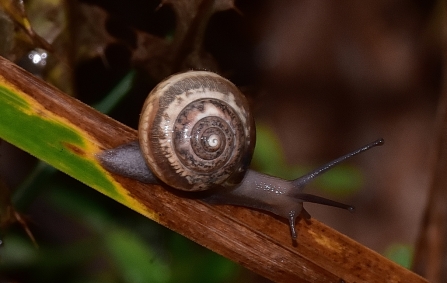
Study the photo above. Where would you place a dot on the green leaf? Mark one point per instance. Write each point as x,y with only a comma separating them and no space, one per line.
134,258
29,126
342,180
401,254
208,267
268,155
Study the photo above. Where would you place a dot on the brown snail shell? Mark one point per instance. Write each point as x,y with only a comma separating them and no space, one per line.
196,131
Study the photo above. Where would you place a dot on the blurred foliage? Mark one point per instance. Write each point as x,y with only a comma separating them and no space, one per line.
110,54
15,10
9,215
342,180
102,241
401,254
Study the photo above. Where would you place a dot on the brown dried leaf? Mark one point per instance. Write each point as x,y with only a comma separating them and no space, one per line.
185,51
92,37
83,36
8,215
7,35
16,10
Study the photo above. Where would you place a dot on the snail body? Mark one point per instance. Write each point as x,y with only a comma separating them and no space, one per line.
196,133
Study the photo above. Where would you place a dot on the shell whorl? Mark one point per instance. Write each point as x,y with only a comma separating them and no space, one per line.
196,131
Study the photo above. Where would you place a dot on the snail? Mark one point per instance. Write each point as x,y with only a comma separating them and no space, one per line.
196,133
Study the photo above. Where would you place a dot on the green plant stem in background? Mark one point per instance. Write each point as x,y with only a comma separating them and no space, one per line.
114,97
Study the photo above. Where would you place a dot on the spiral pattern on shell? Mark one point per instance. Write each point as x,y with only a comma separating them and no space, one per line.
196,131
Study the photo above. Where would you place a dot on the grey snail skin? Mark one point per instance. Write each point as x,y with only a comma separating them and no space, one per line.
196,133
